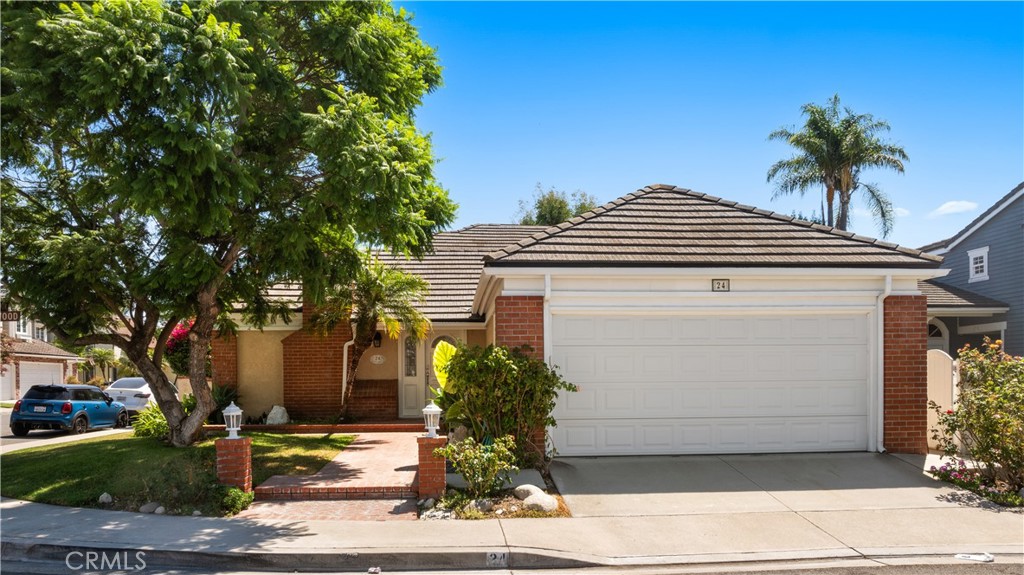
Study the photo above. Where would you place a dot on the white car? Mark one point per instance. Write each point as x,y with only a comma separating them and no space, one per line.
133,392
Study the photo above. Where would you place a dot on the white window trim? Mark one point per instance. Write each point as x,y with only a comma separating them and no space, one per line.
971,254
23,327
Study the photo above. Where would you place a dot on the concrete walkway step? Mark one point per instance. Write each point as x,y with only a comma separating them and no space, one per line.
374,466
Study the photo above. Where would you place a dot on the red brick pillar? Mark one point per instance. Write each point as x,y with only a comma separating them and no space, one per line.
224,359
518,321
906,374
234,462
431,479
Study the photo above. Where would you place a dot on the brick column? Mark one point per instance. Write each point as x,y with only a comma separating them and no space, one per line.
234,462
906,374
431,478
224,359
518,321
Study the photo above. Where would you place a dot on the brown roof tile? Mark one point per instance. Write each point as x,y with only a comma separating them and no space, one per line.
453,268
38,348
941,295
663,225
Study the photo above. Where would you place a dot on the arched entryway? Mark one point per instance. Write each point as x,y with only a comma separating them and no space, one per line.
938,335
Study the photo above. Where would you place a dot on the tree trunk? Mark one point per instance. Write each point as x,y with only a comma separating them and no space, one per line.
844,210
187,430
830,199
359,346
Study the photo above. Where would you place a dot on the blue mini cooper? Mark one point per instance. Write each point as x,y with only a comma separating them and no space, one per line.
74,408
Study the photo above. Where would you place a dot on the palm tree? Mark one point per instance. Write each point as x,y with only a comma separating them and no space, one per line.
833,149
380,294
101,358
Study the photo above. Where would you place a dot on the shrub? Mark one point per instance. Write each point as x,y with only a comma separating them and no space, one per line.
987,418
72,380
235,500
223,395
495,391
486,468
179,348
98,382
150,422
959,474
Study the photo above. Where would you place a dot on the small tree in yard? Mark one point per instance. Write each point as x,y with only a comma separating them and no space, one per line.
496,391
167,160
379,294
987,418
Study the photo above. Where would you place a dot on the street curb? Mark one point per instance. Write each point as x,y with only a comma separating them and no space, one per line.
312,561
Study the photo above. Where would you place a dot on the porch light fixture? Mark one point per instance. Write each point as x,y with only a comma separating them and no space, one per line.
432,418
376,339
233,420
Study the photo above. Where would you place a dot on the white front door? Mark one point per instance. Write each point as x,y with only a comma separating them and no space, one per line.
712,384
417,370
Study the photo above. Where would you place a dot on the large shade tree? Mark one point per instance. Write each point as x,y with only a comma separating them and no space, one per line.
165,161
553,207
832,149
379,295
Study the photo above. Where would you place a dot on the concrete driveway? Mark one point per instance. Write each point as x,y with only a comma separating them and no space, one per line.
779,506
689,485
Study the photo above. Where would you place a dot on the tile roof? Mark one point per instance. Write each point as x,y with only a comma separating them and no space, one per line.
38,348
946,242
453,268
667,226
941,295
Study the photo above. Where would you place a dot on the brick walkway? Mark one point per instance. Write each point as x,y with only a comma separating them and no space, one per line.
374,466
351,510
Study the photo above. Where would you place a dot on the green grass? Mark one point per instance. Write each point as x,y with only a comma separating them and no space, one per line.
6,404
136,470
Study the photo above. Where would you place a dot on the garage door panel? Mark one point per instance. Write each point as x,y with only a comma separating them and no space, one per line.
674,436
39,373
626,400
730,384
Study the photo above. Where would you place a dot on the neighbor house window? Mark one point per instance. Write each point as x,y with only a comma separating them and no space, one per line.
978,262
22,327
40,333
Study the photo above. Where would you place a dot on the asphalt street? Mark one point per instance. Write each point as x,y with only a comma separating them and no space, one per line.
40,437
865,567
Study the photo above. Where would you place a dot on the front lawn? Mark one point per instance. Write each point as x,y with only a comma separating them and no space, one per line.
137,470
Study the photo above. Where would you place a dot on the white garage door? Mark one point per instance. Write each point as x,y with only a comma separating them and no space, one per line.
40,374
723,384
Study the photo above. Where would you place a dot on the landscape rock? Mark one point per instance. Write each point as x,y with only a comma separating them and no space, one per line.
149,507
1021,492
429,503
481,505
436,513
197,513
160,510
278,415
458,434
106,498
524,491
541,502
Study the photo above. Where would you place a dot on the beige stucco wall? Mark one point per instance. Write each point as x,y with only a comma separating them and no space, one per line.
388,370
260,370
476,337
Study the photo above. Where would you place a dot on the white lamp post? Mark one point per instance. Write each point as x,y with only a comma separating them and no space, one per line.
432,418
233,420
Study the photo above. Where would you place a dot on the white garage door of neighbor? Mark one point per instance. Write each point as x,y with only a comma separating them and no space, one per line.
711,384
40,374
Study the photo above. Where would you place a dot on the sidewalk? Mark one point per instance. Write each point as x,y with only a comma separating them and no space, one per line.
43,532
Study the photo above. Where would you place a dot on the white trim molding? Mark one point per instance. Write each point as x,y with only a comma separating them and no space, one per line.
981,328
983,262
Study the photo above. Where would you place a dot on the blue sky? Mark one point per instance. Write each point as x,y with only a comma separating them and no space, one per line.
609,97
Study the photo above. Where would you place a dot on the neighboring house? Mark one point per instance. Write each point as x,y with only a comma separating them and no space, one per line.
986,267
34,360
691,325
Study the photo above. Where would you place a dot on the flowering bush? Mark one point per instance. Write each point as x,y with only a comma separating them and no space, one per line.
958,473
987,419
179,348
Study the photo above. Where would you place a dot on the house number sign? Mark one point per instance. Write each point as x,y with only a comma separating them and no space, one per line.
719,285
